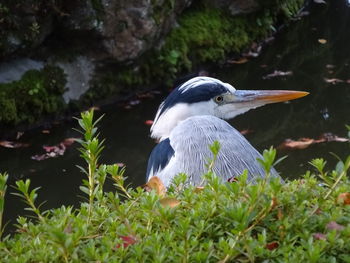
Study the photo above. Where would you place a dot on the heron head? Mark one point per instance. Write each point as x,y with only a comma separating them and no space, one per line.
210,96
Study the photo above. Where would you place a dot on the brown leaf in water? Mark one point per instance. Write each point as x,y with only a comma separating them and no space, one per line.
146,95
12,145
169,201
149,122
330,137
45,131
40,157
55,150
330,66
333,80
302,143
238,61
127,107
321,40
246,131
69,141
134,102
278,73
19,135
155,184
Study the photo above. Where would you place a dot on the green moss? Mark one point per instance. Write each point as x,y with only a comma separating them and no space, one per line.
8,109
208,35
35,94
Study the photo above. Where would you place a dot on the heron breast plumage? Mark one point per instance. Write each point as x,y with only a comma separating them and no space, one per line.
183,152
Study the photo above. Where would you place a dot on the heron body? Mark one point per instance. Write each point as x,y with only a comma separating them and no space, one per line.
192,117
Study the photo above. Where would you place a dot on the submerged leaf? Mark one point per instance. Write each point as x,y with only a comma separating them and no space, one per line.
55,150
246,131
10,144
238,61
278,73
333,80
302,143
149,122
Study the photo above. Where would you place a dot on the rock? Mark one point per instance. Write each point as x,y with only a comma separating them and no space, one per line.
24,24
78,75
127,28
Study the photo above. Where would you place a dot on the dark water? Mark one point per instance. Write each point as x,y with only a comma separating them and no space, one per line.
296,49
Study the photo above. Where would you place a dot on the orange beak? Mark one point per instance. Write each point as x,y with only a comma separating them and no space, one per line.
267,96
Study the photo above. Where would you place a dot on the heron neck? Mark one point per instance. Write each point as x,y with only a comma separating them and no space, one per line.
168,120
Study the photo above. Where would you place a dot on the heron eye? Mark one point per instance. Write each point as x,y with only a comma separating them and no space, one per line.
219,98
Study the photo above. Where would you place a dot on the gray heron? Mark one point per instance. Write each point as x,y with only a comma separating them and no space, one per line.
193,116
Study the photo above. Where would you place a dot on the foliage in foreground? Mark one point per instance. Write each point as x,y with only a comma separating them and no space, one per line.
302,220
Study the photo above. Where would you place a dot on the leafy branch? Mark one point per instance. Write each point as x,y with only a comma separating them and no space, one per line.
90,152
29,197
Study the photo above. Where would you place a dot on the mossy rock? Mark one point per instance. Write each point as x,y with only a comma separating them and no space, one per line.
37,93
206,35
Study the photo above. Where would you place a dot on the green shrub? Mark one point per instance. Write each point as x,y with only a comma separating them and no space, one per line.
302,220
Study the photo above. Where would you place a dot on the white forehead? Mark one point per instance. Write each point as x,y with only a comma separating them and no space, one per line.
198,81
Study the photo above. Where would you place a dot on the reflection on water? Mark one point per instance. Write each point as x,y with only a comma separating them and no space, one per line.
298,49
